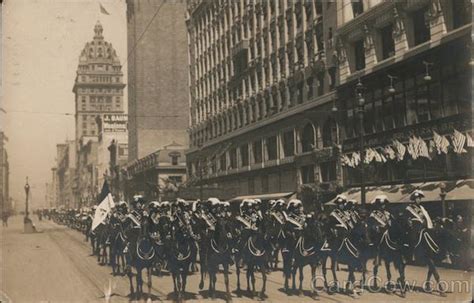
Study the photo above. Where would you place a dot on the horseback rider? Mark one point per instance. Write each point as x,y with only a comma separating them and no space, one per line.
136,215
339,220
352,216
380,213
277,211
210,213
417,213
295,215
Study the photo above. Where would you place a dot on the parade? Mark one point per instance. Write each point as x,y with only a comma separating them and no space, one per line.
143,238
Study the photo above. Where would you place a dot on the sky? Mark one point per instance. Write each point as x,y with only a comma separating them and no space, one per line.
41,44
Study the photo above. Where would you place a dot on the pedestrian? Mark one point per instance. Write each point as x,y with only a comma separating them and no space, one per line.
5,219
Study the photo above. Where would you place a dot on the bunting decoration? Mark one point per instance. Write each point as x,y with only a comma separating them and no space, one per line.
469,142
401,149
458,142
416,148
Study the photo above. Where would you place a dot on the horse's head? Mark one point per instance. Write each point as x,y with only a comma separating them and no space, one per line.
314,228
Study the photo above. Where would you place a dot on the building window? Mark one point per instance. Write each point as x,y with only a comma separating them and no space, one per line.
289,143
328,171
272,150
174,160
244,155
257,151
176,179
461,14
307,174
233,158
329,133
421,26
123,151
308,138
359,55
223,162
357,7
388,45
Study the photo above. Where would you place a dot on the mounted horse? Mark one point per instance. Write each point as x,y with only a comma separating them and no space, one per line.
182,250
428,243
254,247
219,251
140,252
387,234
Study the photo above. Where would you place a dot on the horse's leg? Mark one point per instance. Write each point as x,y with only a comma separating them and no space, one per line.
286,270
130,274
203,269
173,273
387,268
148,271
237,272
350,280
324,271
376,270
313,280
226,280
436,276
301,267
294,268
252,278
428,278
139,282
264,280
184,277
249,269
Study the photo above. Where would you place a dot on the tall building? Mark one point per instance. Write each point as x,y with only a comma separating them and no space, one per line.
262,84
157,76
98,86
67,182
98,90
4,175
405,89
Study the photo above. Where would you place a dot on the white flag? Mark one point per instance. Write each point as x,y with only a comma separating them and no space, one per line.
104,207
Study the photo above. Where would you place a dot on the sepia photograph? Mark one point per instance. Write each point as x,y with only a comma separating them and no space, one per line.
236,151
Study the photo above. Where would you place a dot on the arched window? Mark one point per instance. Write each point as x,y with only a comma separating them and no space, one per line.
308,138
329,133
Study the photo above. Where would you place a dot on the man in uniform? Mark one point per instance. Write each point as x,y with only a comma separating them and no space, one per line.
380,213
295,214
338,218
418,214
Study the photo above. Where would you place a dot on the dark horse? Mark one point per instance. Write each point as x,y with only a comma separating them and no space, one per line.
140,254
430,246
255,253
117,245
306,250
351,247
388,241
182,251
219,249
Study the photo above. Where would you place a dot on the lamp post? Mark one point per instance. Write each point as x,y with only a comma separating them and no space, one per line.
27,192
359,90
442,195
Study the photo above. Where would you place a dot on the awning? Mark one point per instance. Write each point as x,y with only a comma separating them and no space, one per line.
400,193
265,197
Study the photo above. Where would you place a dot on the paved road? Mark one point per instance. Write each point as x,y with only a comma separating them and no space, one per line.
55,266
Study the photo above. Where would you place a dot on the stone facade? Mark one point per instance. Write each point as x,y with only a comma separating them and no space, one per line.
262,75
157,76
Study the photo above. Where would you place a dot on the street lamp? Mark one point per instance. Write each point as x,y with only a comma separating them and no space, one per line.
27,192
359,91
442,195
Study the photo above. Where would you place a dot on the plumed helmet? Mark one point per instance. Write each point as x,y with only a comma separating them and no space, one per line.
165,204
226,204
138,199
340,199
351,202
279,202
272,203
195,205
154,205
180,202
213,201
94,207
122,205
417,194
245,203
294,203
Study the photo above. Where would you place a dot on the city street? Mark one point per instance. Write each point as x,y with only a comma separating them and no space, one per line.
55,266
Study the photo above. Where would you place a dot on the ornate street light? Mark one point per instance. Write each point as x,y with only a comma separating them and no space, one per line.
391,89
359,93
427,76
27,192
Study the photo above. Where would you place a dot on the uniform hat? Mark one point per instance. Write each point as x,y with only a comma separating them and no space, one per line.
294,203
340,199
245,203
214,201
380,199
417,194
154,204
